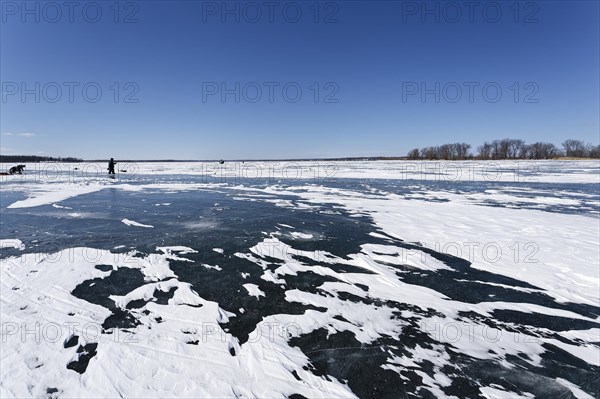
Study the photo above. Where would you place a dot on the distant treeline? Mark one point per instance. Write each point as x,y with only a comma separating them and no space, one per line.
35,158
508,149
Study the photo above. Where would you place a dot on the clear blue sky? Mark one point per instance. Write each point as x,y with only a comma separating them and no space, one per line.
369,58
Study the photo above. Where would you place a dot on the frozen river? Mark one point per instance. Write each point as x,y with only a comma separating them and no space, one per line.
302,279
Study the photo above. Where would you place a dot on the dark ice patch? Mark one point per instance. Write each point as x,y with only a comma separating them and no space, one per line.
52,393
98,291
162,297
71,341
84,355
345,358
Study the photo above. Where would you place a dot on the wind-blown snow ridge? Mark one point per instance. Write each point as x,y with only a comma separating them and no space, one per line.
180,341
136,224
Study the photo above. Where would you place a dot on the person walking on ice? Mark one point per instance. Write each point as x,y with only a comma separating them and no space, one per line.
111,166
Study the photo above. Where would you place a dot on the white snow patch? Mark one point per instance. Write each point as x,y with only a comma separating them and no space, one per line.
253,290
12,243
50,193
133,223
176,248
303,236
61,207
216,267
495,393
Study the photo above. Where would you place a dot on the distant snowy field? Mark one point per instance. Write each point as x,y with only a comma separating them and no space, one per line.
301,279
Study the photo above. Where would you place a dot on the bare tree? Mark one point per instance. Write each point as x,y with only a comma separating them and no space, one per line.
514,148
542,150
414,154
496,149
445,151
525,151
506,149
430,152
460,150
551,151
593,151
485,150
503,149
574,148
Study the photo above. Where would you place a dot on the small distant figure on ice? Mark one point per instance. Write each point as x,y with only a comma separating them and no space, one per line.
15,170
111,166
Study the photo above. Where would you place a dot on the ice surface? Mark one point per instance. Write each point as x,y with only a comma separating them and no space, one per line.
368,279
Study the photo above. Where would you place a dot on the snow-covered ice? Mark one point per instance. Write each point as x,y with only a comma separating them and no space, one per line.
320,279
